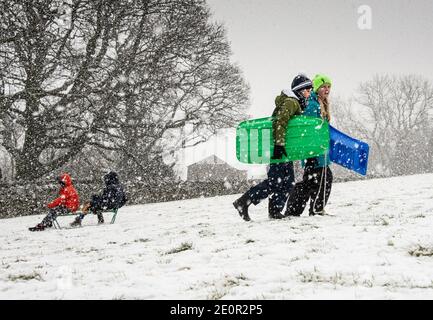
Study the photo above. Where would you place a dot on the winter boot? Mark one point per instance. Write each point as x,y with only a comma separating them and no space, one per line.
319,213
291,214
76,222
38,227
241,205
276,215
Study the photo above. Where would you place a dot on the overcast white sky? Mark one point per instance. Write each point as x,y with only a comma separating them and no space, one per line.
273,40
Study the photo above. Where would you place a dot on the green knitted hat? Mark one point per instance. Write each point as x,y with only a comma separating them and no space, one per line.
319,80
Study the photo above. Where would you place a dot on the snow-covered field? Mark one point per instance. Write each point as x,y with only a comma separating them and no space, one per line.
378,244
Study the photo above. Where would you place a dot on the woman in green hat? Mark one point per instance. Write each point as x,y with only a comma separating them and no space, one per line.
316,183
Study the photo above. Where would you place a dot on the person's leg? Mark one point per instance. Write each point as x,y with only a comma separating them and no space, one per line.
322,191
96,207
253,195
298,199
299,196
85,210
100,216
259,192
280,177
52,215
77,221
329,180
288,183
47,222
315,188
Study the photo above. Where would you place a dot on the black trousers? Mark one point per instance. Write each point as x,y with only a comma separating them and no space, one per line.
54,212
276,187
314,188
96,207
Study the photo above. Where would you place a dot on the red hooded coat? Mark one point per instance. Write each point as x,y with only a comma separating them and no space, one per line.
68,196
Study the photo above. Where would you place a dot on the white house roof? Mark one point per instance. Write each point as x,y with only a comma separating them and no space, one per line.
213,159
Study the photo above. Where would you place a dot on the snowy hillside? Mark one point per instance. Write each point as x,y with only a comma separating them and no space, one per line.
377,245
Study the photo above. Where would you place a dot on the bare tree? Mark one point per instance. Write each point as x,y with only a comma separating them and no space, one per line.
183,79
112,76
393,114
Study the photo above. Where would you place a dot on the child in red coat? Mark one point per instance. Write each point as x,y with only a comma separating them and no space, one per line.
67,202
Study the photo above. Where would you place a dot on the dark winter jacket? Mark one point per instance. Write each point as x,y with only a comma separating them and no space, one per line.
113,196
286,106
68,196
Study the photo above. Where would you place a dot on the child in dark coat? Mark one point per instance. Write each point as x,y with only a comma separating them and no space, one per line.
113,197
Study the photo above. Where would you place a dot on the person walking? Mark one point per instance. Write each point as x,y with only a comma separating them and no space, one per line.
280,175
316,183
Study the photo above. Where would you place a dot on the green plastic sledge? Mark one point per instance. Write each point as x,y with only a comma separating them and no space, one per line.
306,137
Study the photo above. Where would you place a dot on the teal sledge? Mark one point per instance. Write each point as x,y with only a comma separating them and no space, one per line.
306,137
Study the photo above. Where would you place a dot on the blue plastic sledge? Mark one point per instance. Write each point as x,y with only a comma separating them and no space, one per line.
348,152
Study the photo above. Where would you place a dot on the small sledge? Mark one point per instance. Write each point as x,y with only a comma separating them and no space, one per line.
348,152
56,223
306,137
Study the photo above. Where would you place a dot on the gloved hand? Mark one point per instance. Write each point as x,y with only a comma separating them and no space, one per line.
311,163
279,151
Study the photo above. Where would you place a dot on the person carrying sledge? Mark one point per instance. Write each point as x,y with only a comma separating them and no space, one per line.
113,197
280,175
317,179
67,202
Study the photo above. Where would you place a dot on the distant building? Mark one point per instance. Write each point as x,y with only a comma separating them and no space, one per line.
214,169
